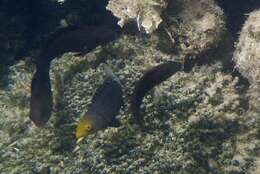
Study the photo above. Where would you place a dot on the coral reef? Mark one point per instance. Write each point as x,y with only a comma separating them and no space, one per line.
147,13
203,121
247,54
191,27
193,119
186,27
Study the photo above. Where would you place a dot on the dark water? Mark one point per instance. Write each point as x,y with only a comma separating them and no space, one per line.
236,12
26,24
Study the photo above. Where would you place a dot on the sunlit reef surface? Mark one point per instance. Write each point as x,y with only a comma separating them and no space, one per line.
197,122
204,121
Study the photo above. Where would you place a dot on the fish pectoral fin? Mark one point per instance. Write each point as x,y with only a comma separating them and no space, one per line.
115,123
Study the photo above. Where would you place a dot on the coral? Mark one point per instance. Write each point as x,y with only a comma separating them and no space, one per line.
191,27
248,142
193,119
201,121
145,12
247,54
186,27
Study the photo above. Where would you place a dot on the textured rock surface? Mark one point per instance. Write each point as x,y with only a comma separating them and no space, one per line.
187,27
147,13
247,54
191,27
203,121
197,121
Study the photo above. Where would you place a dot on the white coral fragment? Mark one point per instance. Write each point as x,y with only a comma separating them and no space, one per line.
145,12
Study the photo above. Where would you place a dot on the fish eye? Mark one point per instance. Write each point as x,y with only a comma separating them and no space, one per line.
88,127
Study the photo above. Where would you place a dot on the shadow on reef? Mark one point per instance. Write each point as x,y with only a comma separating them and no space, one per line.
207,134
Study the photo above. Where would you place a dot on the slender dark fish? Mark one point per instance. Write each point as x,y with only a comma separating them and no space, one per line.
105,105
150,79
77,39
70,39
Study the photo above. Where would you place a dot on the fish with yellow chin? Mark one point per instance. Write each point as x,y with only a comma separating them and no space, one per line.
84,127
104,107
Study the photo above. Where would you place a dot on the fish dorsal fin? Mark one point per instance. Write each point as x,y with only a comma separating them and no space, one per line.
109,79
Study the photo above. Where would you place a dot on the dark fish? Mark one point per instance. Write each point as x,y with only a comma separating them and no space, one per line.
105,105
150,79
75,39
41,97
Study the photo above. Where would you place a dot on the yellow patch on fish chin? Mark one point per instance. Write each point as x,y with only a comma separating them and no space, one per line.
84,127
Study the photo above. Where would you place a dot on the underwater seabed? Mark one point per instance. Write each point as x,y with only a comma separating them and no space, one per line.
196,122
205,121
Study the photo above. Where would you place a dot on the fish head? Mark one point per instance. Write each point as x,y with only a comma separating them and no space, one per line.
84,127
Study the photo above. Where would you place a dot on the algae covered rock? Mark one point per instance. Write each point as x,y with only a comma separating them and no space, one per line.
251,139
202,121
147,13
192,119
247,54
186,27
191,27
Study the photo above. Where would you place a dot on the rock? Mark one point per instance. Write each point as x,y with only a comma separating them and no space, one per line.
197,122
191,27
247,54
186,27
192,118
147,13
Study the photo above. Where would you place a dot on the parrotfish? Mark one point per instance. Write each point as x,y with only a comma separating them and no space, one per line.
105,105
70,39
150,79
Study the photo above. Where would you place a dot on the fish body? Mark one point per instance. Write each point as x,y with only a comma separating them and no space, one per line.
41,97
77,39
105,105
69,39
149,80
